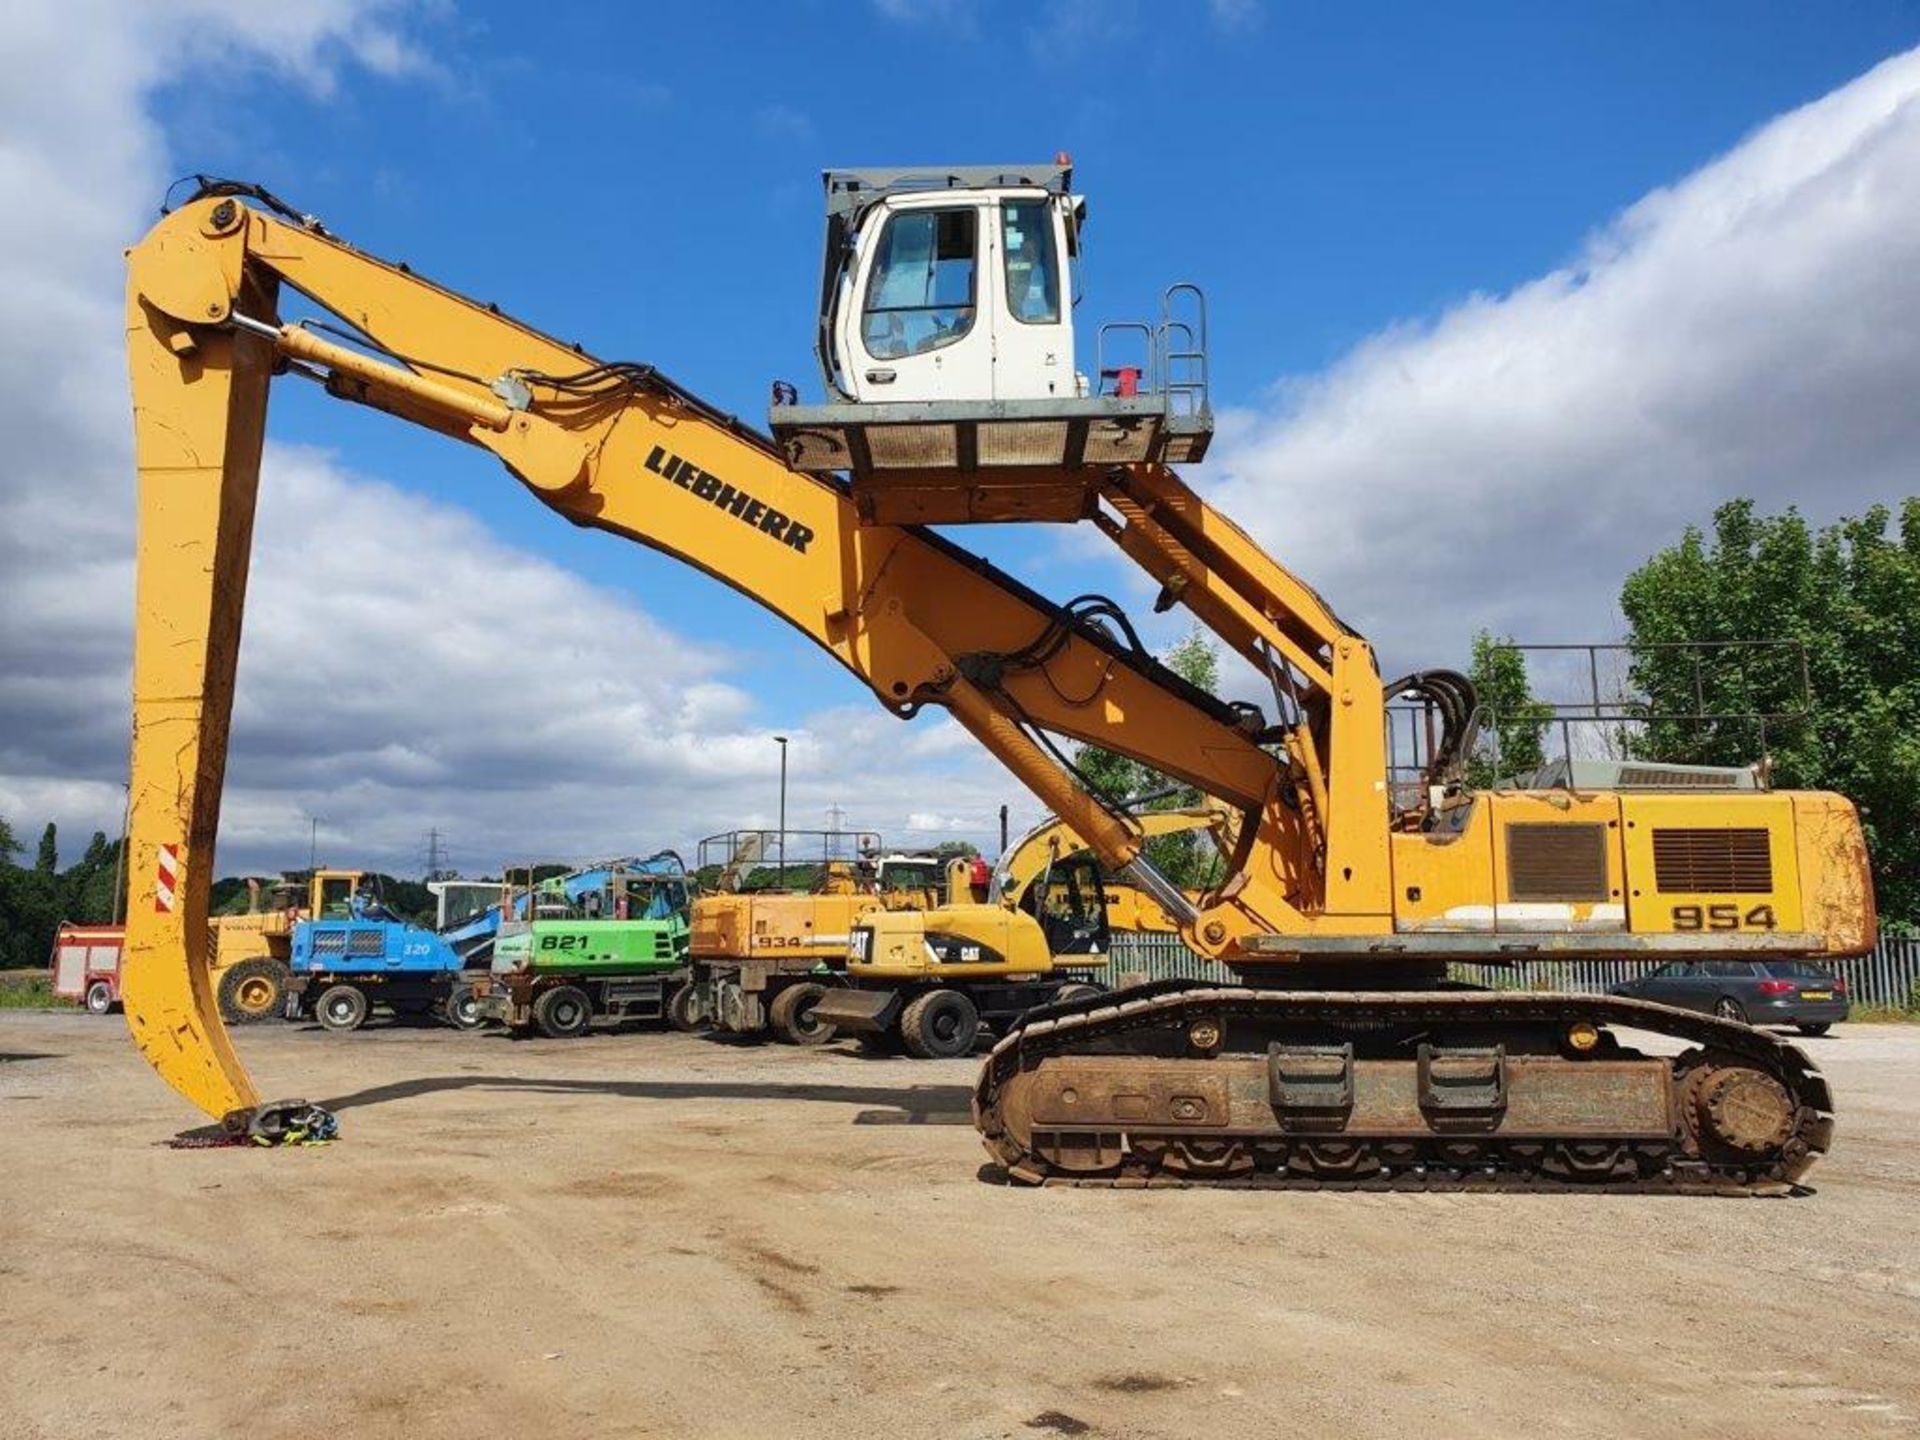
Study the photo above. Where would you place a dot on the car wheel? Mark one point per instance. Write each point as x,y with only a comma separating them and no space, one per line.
791,1015
99,997
1820,1029
1729,1008
252,991
563,1012
686,1012
463,1009
341,1008
939,1025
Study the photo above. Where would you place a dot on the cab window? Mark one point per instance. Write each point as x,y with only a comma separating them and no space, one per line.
336,898
921,296
1032,261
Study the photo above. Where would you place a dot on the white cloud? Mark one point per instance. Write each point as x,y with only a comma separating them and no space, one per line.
1236,17
402,668
921,12
1751,330
1063,29
783,122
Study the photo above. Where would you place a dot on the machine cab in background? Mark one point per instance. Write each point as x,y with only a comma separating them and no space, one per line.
1071,905
947,347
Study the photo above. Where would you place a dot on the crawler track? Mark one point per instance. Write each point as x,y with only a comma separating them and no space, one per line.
1363,1090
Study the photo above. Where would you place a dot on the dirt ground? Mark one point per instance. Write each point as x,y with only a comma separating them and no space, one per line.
658,1235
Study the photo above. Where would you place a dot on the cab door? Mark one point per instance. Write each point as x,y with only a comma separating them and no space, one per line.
916,327
1072,909
1033,329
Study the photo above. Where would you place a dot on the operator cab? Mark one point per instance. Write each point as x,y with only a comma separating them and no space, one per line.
946,337
1071,905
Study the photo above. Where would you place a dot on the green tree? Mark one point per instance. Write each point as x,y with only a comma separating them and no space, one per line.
1850,594
34,900
1512,741
1188,860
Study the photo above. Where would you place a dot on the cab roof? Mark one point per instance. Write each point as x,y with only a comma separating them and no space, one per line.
850,191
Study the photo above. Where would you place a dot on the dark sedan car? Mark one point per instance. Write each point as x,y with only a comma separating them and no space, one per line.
1760,992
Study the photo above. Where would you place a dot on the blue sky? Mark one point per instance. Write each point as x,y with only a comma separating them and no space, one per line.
644,179
1502,297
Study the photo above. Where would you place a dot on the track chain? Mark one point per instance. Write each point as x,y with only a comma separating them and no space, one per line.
1063,1028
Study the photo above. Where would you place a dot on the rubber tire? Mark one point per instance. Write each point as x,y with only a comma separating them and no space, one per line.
1820,1029
1075,990
1728,1008
99,998
680,1012
236,977
463,1008
791,1015
349,1001
939,1025
563,1013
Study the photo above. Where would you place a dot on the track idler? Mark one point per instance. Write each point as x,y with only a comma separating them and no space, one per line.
1184,1084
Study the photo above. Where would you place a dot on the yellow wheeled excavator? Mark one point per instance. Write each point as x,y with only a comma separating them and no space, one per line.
1341,1055
926,978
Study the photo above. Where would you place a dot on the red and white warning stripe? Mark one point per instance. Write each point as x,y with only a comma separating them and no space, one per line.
165,878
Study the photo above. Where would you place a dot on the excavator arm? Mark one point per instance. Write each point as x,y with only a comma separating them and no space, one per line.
615,446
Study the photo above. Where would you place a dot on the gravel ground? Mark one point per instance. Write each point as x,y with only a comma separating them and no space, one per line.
658,1235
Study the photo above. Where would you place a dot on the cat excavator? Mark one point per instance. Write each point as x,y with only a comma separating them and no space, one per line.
1338,1053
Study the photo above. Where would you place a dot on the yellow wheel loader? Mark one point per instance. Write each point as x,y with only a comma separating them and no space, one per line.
251,956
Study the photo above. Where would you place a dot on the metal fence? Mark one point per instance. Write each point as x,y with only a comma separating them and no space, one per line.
1890,976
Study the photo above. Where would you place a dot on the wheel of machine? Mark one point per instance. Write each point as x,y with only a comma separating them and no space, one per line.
792,1015
1730,1009
99,997
563,1012
1077,990
1811,1029
341,1008
463,1008
684,1011
252,991
939,1025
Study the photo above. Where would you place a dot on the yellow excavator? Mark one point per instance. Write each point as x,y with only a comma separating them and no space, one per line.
1338,1053
927,978
763,957
771,960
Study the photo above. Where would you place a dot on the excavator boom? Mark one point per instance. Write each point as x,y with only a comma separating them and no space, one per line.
615,446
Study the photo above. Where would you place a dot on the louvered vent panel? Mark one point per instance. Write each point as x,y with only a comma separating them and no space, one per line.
1556,862
1713,862
1666,777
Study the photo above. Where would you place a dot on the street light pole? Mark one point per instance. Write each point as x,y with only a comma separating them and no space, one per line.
313,841
781,740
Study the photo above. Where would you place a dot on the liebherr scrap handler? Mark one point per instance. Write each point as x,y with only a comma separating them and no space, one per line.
946,342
